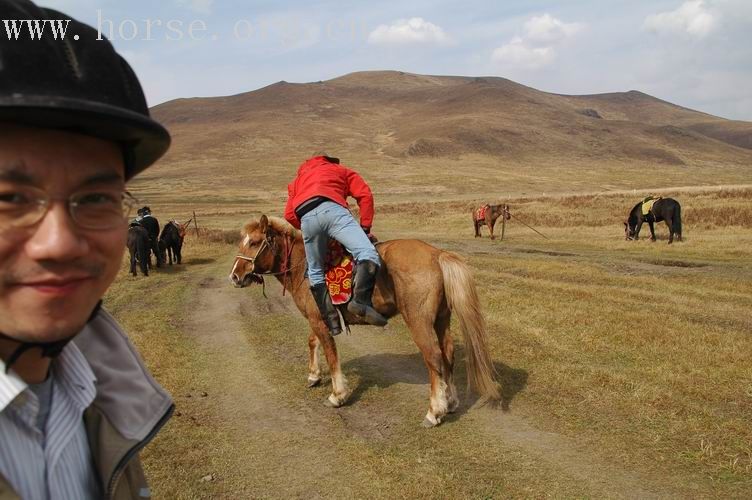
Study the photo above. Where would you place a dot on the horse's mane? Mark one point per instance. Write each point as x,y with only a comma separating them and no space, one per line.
277,223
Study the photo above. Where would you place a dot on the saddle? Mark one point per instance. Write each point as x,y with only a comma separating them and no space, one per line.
480,214
339,273
647,205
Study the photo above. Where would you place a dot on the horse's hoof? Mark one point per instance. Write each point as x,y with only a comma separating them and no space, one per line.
428,424
334,402
313,382
431,420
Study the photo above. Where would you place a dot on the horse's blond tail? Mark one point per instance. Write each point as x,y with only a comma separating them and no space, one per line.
462,298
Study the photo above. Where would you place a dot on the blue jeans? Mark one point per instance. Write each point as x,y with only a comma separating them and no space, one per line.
330,220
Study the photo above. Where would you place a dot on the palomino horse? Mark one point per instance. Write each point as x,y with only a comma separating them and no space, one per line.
487,215
421,282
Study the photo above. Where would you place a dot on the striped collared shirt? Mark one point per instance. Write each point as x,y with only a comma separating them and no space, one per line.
58,464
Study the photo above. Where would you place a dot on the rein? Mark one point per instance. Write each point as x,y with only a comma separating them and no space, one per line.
523,223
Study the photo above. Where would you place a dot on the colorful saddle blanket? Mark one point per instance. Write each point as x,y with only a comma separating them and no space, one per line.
480,214
339,266
647,204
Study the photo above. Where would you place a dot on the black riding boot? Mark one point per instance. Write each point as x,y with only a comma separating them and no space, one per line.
328,312
361,305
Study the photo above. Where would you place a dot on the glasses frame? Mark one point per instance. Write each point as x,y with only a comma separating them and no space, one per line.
43,201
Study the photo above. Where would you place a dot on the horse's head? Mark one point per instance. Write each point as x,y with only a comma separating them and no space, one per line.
500,211
256,253
262,250
183,228
629,231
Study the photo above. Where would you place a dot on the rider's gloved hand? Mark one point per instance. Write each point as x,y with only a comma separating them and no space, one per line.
371,237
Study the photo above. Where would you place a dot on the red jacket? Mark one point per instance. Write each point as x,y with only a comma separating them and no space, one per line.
319,177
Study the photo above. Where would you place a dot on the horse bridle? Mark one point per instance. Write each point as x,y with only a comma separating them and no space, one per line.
252,260
286,270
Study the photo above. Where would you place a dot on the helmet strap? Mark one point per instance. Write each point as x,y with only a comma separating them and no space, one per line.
49,349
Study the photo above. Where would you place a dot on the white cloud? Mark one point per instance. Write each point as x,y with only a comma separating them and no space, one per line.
517,53
537,47
200,6
546,29
415,30
691,18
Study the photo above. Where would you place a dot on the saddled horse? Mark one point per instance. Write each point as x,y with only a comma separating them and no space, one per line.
171,241
138,248
422,283
487,215
663,209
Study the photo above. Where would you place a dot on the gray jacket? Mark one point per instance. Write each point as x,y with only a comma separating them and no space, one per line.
129,409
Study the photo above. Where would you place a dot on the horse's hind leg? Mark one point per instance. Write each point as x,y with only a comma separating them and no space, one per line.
427,341
477,228
670,224
441,325
314,372
133,264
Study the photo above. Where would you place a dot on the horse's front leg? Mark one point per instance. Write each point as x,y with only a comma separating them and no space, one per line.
490,224
652,230
476,225
314,372
637,228
340,390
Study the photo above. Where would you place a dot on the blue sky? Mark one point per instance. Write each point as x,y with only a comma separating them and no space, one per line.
695,53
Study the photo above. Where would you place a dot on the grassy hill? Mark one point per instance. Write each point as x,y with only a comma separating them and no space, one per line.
423,138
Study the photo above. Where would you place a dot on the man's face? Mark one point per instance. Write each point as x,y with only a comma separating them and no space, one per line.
53,273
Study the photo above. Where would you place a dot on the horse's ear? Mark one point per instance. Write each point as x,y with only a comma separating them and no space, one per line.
625,224
264,224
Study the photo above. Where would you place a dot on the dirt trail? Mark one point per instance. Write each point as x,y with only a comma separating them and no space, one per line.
248,404
252,403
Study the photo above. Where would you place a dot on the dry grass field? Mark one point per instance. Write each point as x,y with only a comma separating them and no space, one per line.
625,365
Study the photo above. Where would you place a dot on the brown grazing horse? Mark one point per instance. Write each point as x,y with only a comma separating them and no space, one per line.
487,215
421,282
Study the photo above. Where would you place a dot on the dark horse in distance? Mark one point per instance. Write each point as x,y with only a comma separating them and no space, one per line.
171,241
138,247
487,215
148,221
652,210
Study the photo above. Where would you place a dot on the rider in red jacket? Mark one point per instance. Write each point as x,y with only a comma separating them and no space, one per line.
317,205
320,176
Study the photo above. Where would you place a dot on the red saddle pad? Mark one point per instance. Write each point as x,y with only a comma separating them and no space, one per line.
339,271
480,214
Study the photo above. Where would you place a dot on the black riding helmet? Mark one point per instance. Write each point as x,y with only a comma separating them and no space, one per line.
79,85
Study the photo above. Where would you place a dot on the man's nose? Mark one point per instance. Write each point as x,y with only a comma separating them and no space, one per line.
56,236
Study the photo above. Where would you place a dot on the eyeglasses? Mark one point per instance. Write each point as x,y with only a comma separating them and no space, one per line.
96,209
